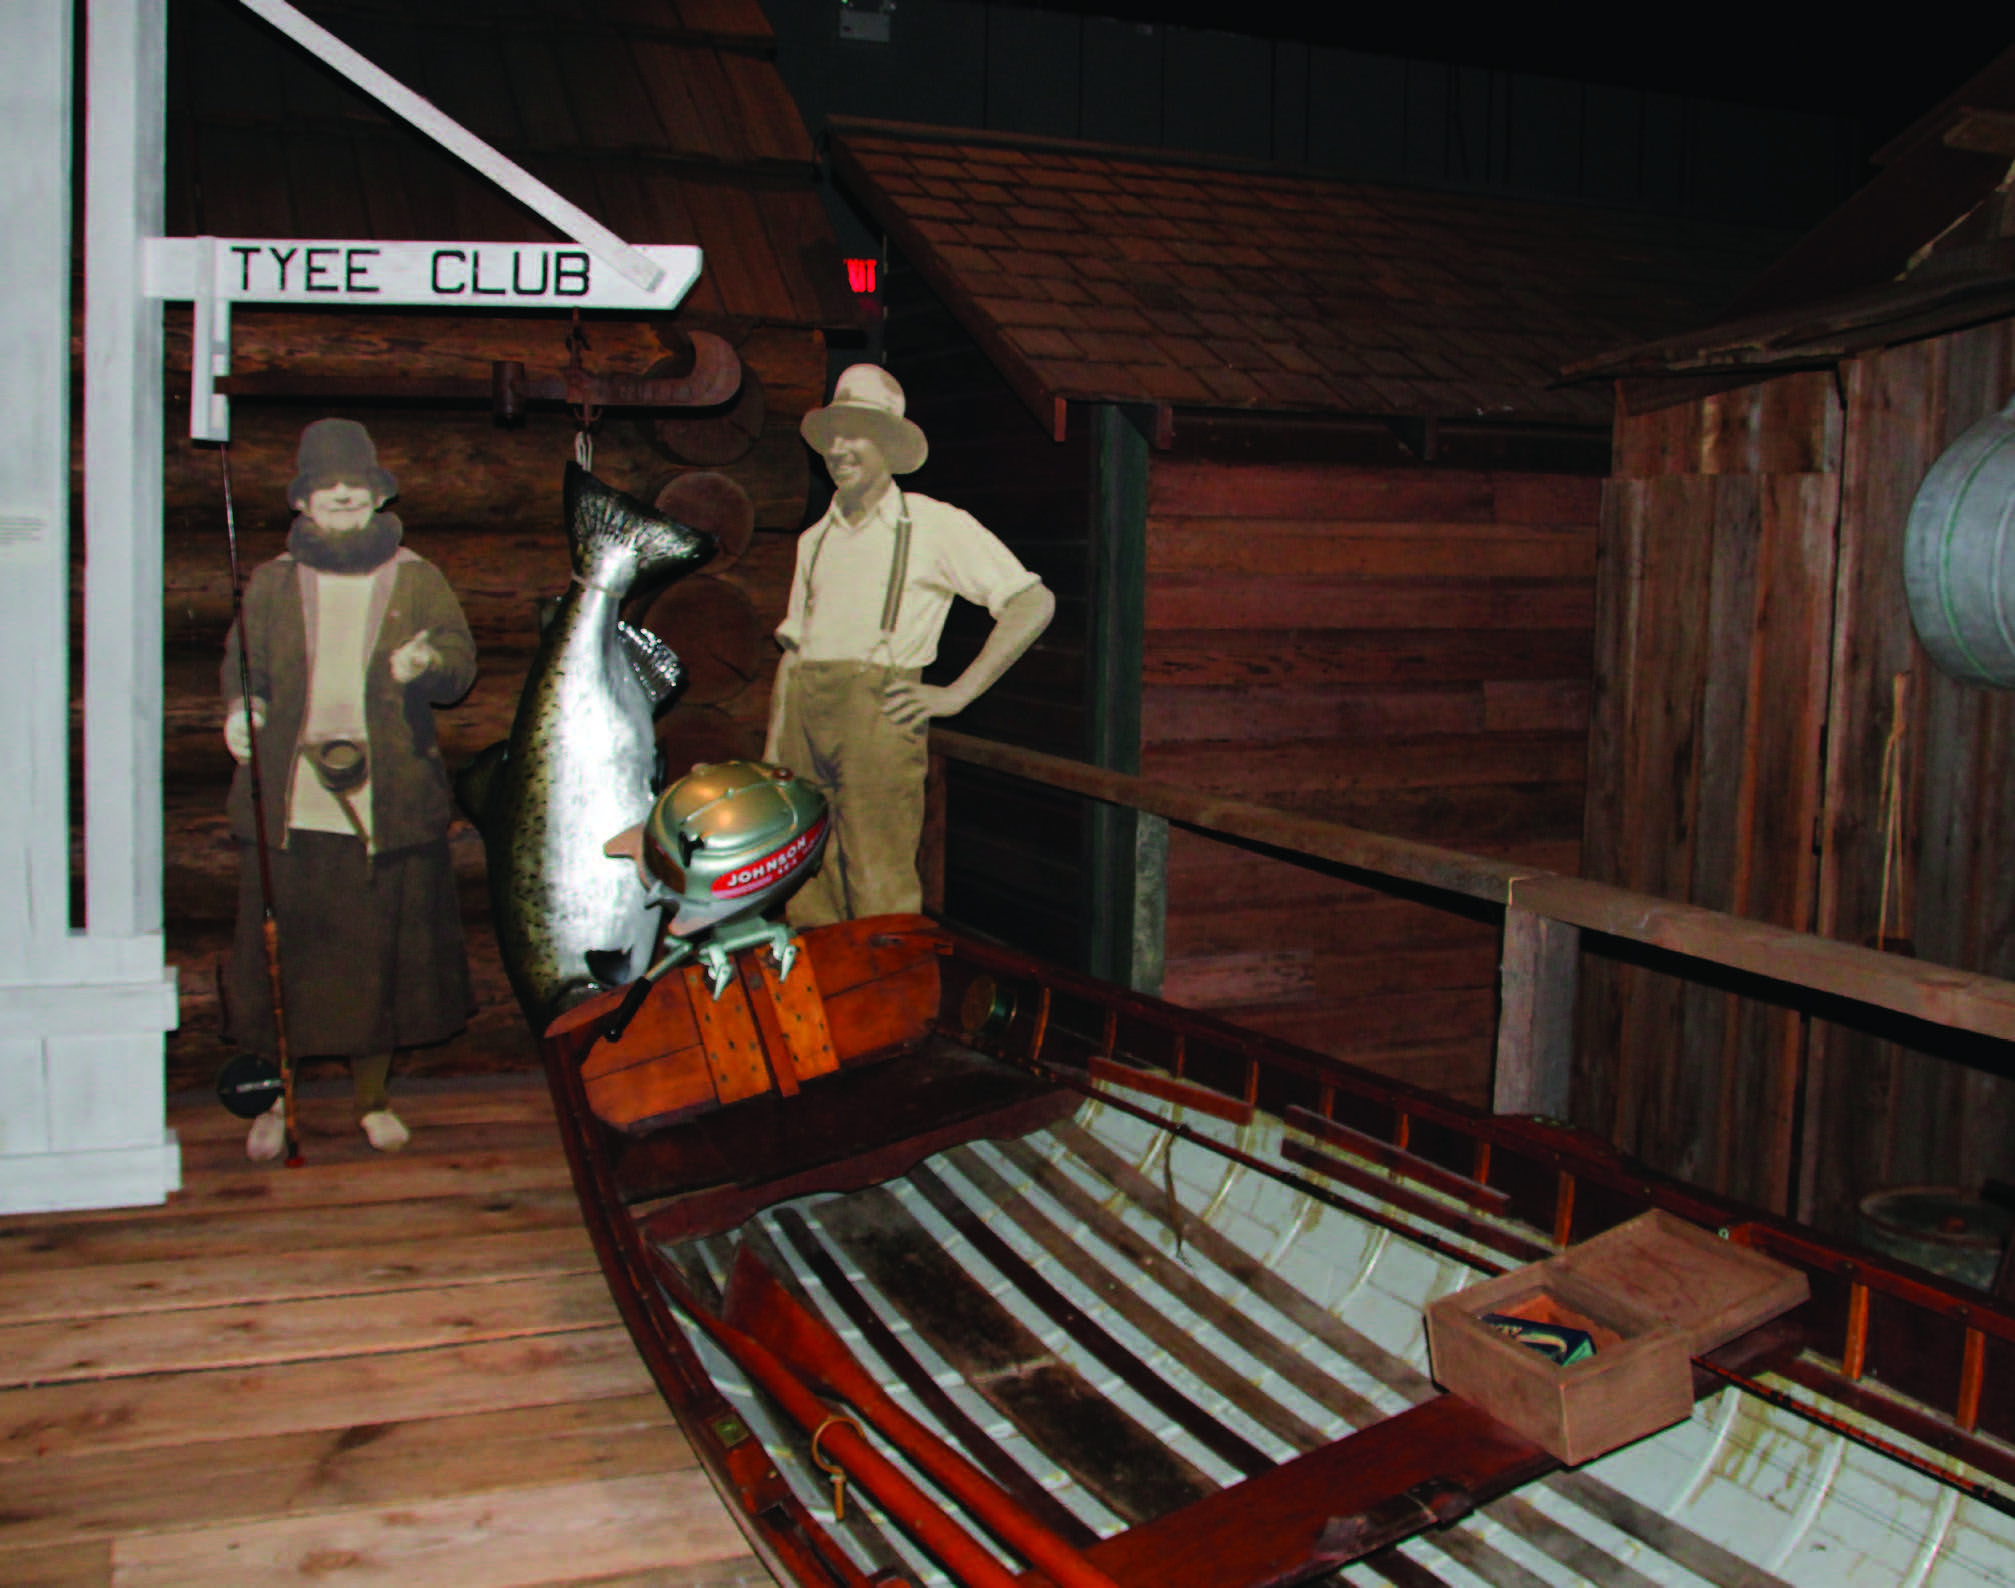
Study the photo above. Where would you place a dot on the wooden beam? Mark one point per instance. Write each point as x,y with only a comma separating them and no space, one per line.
1308,835
1117,617
1934,993
1982,132
561,213
1538,977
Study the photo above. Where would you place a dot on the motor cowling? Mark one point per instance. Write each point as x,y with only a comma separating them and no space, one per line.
731,839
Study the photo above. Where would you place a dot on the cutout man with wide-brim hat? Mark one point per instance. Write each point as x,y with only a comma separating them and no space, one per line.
876,577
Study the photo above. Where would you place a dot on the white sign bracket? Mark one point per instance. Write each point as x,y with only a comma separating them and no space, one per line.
209,350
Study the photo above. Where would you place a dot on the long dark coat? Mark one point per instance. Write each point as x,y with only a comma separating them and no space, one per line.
371,946
410,800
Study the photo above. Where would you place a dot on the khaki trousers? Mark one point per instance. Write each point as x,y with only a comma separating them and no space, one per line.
832,731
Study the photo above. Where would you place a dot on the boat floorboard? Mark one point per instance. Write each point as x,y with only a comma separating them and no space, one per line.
1237,1335
371,1369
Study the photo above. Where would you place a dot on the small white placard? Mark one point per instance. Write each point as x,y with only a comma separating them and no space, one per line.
477,277
25,538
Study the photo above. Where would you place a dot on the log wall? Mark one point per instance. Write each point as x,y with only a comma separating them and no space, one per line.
482,502
1769,739
1401,648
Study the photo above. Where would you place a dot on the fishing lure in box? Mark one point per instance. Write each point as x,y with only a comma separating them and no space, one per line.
1559,1344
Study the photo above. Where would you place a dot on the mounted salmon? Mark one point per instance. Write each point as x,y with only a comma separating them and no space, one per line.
958,1268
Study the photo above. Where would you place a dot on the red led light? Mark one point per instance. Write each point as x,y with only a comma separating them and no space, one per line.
861,274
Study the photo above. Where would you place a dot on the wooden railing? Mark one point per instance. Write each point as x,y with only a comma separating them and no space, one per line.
1545,914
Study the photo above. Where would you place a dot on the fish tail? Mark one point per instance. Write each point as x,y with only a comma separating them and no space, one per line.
616,538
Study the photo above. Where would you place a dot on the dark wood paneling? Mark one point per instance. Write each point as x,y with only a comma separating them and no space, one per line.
1013,856
1401,648
1769,739
1711,644
1923,859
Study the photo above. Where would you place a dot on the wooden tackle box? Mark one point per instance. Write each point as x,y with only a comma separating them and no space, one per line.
1654,1292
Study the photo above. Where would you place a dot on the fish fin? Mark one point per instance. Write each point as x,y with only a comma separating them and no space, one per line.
609,966
617,541
474,783
545,609
652,660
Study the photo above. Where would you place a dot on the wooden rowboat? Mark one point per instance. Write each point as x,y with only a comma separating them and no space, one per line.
955,1267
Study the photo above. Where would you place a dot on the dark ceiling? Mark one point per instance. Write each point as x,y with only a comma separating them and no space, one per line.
1804,59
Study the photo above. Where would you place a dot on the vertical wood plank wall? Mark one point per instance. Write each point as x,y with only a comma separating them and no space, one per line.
1403,648
1712,635
1753,648
1885,1113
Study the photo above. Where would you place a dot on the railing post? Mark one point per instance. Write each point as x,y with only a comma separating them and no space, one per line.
1537,978
1150,904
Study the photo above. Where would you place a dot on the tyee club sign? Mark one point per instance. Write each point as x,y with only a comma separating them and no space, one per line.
305,272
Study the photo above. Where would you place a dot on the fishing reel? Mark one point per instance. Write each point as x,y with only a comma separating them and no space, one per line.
249,1085
723,844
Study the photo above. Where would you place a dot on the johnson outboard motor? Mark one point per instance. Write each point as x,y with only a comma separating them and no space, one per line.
730,839
726,842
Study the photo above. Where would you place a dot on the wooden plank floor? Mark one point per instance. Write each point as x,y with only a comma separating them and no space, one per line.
373,1369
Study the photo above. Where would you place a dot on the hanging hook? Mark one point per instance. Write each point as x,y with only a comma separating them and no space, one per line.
580,394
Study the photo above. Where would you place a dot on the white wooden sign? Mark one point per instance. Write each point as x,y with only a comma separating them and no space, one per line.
304,272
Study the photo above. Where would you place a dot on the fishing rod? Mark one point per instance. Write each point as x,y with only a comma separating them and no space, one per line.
269,923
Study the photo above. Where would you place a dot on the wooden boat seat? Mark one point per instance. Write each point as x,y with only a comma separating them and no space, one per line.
862,1125
859,990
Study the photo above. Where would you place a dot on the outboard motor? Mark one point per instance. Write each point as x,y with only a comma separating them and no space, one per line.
722,845
730,839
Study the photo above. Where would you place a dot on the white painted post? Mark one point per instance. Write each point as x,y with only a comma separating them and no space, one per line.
34,481
34,497
81,1073
123,204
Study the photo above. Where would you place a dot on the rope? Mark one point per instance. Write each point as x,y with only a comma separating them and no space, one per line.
1892,807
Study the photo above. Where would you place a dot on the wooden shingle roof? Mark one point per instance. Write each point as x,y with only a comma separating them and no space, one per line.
664,119
1095,273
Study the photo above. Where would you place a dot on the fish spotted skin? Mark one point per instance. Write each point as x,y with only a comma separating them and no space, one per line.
579,766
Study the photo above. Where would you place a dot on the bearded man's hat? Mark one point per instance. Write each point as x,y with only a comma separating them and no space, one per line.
338,449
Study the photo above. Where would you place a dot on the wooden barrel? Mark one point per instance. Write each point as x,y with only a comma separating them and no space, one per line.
1959,555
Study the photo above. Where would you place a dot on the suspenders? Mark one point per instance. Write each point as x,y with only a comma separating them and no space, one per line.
899,568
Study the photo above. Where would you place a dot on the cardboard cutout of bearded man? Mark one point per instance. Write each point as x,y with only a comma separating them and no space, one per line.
875,580
353,642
